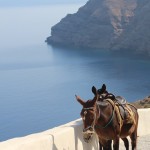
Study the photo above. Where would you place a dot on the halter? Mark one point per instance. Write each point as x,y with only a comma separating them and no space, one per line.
93,124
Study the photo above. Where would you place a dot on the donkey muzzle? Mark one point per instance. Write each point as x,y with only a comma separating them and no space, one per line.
87,137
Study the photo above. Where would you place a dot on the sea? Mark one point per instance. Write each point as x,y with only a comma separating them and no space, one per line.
38,82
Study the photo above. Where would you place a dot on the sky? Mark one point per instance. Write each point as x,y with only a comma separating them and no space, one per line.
37,2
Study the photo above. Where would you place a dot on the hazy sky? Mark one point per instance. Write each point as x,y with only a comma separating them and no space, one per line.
36,2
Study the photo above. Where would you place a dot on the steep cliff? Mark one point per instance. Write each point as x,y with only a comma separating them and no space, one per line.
137,34
106,24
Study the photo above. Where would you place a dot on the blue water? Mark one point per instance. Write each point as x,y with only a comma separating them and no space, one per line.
38,82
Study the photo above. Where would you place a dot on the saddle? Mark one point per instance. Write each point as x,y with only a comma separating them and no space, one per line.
126,113
123,110
120,100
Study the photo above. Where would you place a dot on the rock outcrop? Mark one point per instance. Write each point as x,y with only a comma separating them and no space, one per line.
106,24
145,103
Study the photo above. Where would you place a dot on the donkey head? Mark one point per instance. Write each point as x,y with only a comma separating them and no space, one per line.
88,115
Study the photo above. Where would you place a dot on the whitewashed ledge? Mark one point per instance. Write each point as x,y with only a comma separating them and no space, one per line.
69,137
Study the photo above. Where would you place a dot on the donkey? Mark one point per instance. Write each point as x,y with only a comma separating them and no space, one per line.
102,117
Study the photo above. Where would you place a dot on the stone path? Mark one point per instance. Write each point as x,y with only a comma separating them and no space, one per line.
143,143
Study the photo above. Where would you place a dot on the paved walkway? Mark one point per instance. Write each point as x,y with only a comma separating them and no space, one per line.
143,143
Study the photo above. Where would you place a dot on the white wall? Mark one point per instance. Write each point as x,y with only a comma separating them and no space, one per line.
66,137
144,119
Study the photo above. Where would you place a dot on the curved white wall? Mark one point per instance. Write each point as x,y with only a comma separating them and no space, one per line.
66,137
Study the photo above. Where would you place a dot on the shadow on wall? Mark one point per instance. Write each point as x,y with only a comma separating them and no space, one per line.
78,136
69,137
54,146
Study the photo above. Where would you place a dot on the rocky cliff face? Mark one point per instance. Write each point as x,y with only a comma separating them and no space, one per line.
106,24
145,103
137,34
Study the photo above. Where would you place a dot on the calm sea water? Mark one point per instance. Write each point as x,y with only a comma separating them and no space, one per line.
38,82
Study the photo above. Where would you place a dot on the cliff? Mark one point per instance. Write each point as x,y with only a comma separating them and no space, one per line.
106,24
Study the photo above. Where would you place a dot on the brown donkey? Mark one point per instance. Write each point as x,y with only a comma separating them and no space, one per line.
101,117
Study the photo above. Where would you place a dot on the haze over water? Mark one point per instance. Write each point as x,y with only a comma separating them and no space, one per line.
38,82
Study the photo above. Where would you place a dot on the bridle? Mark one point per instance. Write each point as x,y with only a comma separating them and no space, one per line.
92,126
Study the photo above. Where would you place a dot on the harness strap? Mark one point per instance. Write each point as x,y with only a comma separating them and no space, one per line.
118,115
88,108
131,114
103,127
131,105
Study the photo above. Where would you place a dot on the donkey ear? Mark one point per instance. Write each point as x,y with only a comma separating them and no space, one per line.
103,87
80,100
94,90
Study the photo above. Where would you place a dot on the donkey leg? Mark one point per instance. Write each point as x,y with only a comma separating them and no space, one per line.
126,143
109,144
106,145
133,137
116,143
100,146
